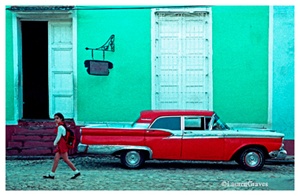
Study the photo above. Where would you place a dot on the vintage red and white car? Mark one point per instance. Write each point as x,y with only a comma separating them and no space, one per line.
181,135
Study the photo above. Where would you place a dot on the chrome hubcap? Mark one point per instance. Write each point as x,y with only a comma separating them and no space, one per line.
132,158
252,159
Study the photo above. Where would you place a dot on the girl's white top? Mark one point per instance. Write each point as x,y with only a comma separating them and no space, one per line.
60,132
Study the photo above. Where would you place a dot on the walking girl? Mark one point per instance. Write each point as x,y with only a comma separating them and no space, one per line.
61,149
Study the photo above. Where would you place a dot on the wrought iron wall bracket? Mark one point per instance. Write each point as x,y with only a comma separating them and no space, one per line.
108,46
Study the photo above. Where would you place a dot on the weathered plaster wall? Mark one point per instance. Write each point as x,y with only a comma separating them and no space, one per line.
283,70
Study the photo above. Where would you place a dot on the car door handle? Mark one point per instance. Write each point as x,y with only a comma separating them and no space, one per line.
187,132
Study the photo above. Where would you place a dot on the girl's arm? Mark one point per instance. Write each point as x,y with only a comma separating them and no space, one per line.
61,132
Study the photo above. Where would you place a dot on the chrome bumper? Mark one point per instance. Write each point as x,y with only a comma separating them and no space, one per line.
278,154
82,148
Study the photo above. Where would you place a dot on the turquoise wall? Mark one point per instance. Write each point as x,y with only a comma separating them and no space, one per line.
127,90
240,63
283,103
9,69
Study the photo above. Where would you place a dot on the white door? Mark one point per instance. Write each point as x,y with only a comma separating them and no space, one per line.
181,73
61,83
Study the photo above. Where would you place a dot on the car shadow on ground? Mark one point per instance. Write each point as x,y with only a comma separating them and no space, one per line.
109,162
191,165
114,162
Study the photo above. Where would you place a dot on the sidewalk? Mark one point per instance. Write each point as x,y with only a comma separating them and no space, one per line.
106,173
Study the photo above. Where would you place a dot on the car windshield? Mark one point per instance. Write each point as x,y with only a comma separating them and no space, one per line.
135,124
217,124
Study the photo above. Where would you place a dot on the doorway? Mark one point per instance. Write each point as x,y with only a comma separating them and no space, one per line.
182,77
35,69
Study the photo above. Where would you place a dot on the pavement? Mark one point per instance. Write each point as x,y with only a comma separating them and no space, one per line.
105,173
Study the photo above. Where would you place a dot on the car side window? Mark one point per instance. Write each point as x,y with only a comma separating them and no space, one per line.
194,123
172,123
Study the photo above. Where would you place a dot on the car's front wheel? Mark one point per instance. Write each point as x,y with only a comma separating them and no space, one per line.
132,159
252,159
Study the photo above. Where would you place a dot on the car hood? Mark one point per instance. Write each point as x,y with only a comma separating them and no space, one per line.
251,129
254,132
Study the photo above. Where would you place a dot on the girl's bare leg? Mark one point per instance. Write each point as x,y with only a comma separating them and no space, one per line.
67,160
55,162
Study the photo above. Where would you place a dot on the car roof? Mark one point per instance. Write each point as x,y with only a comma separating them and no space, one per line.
148,116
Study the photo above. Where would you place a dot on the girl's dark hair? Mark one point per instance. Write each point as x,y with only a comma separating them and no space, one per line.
60,116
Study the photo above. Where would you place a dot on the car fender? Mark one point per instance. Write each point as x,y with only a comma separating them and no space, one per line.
112,149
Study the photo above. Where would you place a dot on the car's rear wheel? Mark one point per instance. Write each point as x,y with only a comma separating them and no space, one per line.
132,159
252,159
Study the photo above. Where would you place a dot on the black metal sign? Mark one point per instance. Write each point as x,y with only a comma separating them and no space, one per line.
98,68
108,46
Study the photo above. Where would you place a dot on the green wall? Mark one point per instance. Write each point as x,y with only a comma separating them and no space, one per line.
240,63
9,69
127,90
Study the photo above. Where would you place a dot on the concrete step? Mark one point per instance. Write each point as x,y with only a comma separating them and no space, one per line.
24,131
32,151
30,143
34,138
